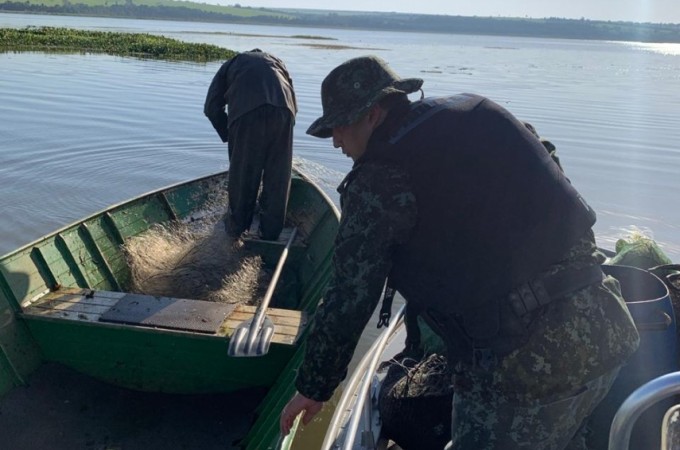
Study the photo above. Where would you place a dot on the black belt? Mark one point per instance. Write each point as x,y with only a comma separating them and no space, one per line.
543,290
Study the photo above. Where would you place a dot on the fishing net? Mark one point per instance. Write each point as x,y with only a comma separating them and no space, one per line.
175,261
415,403
196,259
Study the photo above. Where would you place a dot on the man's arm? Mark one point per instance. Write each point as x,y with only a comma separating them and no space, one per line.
215,103
379,212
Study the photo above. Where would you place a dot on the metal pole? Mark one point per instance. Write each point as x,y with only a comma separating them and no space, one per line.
642,398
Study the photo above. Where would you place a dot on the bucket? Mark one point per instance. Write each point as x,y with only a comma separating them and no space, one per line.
650,305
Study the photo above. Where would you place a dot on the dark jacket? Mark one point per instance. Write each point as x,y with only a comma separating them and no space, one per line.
245,82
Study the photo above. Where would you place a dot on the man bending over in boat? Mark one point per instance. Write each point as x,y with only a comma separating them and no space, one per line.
480,231
258,91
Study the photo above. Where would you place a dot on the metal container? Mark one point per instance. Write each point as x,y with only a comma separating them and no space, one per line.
650,305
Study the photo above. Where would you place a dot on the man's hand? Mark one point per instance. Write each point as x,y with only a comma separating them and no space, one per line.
295,406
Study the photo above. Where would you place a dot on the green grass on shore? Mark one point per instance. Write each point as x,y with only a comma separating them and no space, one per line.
140,45
237,11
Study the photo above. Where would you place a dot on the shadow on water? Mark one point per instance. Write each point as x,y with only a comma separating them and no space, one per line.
61,409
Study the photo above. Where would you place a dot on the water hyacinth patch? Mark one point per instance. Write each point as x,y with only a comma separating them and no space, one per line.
140,45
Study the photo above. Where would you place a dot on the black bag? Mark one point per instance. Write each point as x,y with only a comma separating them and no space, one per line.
415,403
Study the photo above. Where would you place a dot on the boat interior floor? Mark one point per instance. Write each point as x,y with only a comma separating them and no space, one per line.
62,409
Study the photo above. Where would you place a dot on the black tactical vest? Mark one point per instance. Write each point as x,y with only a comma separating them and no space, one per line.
493,209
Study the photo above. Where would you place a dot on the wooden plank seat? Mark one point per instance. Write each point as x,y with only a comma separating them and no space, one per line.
163,313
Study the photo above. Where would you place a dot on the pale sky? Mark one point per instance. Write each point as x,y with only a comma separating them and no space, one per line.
657,11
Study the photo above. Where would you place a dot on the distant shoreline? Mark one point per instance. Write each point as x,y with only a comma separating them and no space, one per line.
438,24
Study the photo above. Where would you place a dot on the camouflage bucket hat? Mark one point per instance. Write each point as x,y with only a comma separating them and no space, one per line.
353,88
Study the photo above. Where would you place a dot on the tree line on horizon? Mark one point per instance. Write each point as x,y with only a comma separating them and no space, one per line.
497,26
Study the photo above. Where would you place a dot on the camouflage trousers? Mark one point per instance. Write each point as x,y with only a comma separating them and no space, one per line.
488,420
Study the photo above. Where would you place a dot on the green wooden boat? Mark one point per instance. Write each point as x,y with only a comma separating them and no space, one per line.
136,370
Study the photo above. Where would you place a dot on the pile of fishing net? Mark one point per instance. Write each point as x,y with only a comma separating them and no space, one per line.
415,403
184,261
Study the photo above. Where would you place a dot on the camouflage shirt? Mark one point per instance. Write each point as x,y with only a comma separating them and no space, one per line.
378,212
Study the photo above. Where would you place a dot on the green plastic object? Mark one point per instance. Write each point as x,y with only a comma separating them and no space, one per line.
639,251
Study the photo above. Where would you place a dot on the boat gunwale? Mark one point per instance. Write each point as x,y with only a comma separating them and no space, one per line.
357,390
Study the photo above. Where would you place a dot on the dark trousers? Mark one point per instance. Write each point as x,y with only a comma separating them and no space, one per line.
260,151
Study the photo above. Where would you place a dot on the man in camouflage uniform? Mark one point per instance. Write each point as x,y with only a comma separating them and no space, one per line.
476,226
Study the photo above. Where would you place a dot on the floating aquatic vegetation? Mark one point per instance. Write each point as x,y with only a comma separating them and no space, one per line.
140,45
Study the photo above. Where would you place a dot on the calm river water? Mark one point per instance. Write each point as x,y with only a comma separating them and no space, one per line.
81,132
